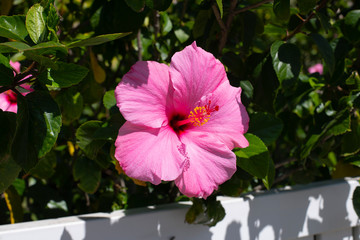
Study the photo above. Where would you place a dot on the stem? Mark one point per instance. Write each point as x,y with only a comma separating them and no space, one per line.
224,28
285,162
184,9
139,45
218,18
251,6
311,15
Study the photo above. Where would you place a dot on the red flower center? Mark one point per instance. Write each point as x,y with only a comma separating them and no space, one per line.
11,96
197,117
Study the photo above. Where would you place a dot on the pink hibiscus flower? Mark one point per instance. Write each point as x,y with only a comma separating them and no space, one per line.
8,99
183,120
316,68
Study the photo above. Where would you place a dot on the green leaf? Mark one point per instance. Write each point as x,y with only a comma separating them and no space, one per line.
86,140
325,50
247,88
350,142
53,18
6,72
350,27
109,99
71,104
181,35
13,27
37,127
269,179
160,5
306,5
286,63
166,23
12,47
220,5
7,130
35,23
255,158
19,185
341,124
310,145
338,125
215,211
282,9
194,211
265,126
109,130
66,75
88,173
356,200
136,5
47,48
97,40
9,171
45,168
41,60
208,212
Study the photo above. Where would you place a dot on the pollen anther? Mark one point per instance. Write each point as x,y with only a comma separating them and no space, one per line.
201,115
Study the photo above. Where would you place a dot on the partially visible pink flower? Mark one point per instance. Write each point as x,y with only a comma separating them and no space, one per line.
183,120
8,99
316,68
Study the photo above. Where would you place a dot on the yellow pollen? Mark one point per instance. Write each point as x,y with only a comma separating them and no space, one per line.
201,115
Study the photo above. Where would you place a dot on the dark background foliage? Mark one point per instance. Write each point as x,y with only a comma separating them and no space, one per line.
56,155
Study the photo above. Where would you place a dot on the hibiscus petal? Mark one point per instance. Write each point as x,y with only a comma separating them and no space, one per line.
194,73
231,121
149,154
143,94
15,66
210,164
6,105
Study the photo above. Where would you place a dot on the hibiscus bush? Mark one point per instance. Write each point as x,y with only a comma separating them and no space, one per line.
116,104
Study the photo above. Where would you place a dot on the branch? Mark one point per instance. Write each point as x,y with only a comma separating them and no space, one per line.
218,18
224,28
311,15
251,6
139,45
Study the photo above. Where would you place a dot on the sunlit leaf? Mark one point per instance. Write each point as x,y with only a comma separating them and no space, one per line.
37,127
35,23
255,158
97,40
286,62
65,75
13,27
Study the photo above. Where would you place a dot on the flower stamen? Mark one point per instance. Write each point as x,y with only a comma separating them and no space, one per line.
199,115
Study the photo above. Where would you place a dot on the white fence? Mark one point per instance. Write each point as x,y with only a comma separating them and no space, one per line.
319,211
